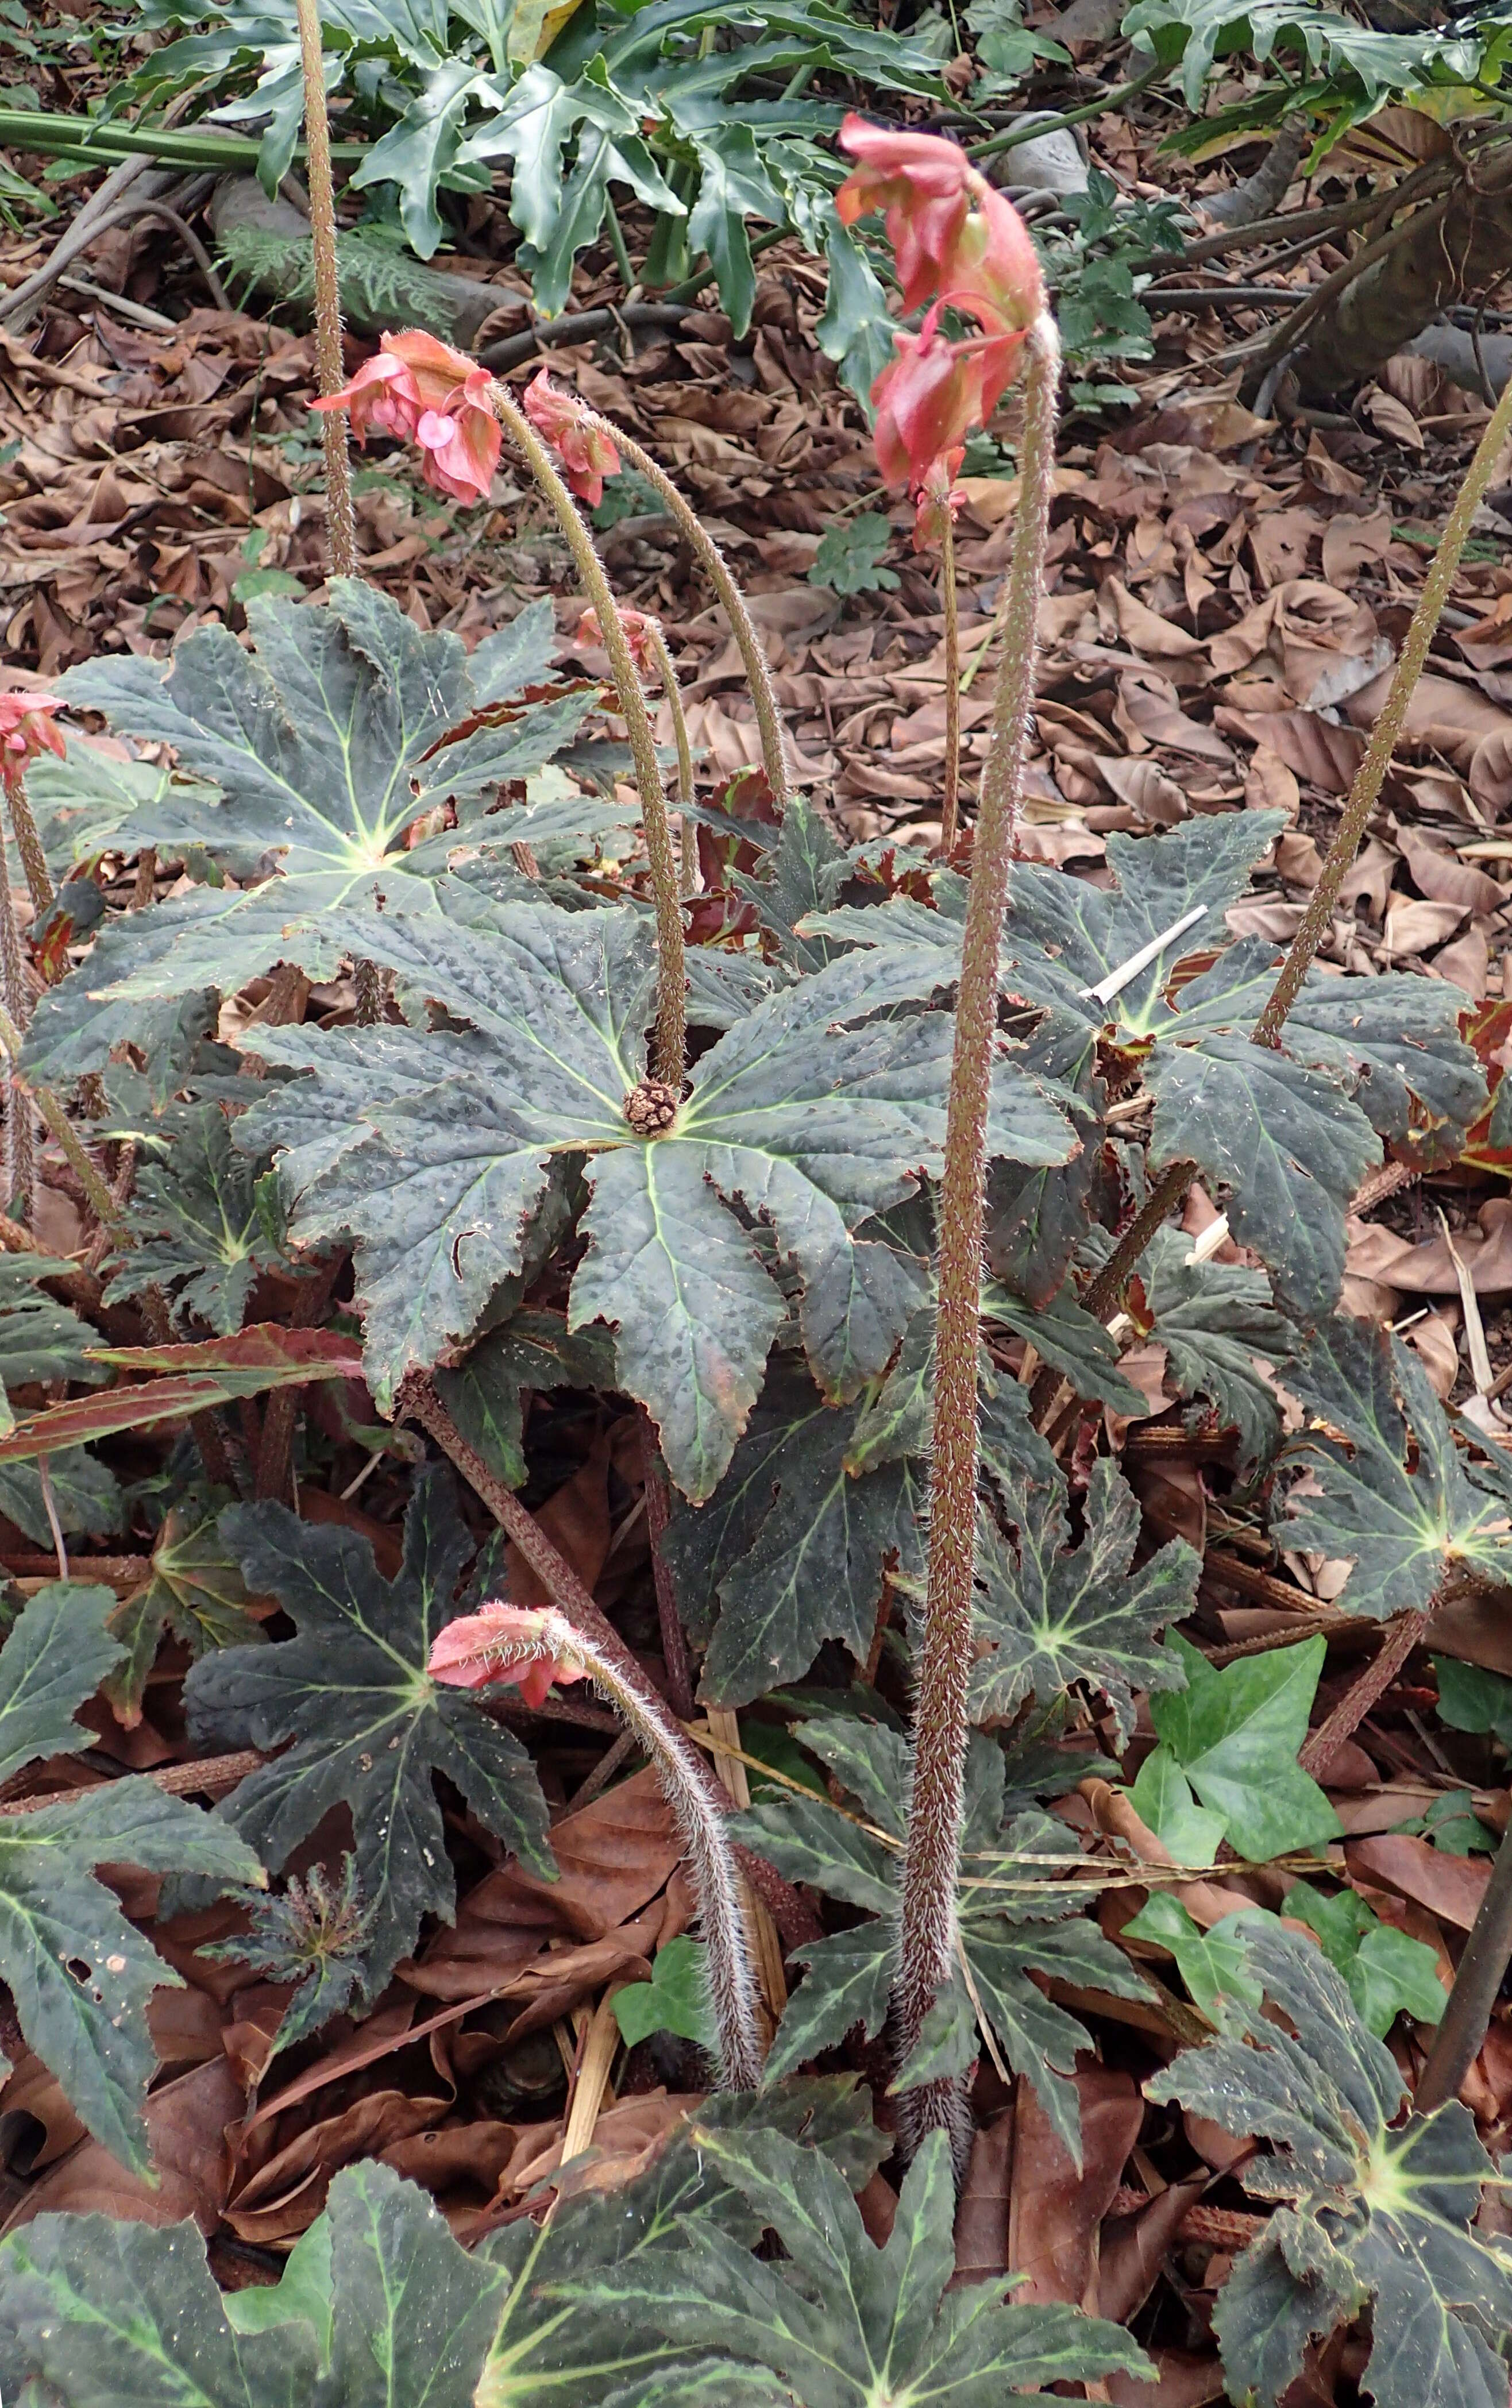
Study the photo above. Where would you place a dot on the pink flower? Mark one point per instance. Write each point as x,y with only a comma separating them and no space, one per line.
636,627
954,236
25,727
937,499
585,452
929,397
504,1643
423,392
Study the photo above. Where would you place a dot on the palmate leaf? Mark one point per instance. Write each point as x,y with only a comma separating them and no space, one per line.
40,1340
1234,1737
793,1548
1218,1322
1372,2214
1370,1415
263,1355
796,1117
1052,1615
533,1350
326,741
80,1975
193,1588
839,2323
1015,1919
1285,1136
201,1231
369,1729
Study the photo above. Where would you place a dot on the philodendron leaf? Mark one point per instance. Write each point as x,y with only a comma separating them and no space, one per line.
378,2305
794,1547
197,1227
839,2323
1017,1918
1366,2212
795,1117
80,1975
369,1729
1393,1495
1233,1738
1051,1615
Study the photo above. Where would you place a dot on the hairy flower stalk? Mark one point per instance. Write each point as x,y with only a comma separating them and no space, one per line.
19,1149
743,626
341,521
928,1950
506,1643
648,651
671,976
950,806
1364,793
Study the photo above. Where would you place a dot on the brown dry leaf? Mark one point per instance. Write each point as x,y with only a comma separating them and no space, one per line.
287,2191
1054,2211
187,2123
1434,1342
1157,798
1181,2381
1144,631
1132,2249
1466,963
1352,544
1392,417
1443,878
1413,927
982,2210
1450,1888
1322,754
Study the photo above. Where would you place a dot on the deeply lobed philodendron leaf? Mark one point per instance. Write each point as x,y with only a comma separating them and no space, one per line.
313,754
358,1718
839,2323
1015,1917
1389,1489
1284,1137
797,1119
1370,2212
80,1974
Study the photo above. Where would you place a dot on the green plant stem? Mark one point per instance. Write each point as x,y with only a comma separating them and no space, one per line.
950,807
687,844
618,245
29,845
691,286
99,143
927,1941
1117,99
743,626
672,977
340,520
101,1202
1364,793
1466,2017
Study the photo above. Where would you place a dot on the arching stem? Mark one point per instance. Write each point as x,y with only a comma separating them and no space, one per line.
29,845
20,1149
687,834
743,626
927,1936
341,521
671,979
950,808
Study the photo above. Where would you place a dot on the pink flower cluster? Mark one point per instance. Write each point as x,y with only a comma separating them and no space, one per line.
503,1643
585,452
25,730
421,390
959,245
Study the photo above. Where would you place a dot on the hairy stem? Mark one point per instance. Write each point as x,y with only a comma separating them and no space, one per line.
340,521
1370,776
687,842
29,845
672,977
674,1646
1467,2019
91,1179
1153,1213
706,1848
928,1937
950,808
743,626
21,1148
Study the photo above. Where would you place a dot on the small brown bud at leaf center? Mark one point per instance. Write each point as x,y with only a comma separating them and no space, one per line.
650,1106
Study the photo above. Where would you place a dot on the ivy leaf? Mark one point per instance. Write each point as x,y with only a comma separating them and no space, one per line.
1015,1919
1388,1970
842,2324
794,1547
1371,2213
1052,1615
194,1589
1213,1964
368,1727
1471,1700
675,1999
200,1227
808,1123
80,1975
1234,1737
1370,1413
